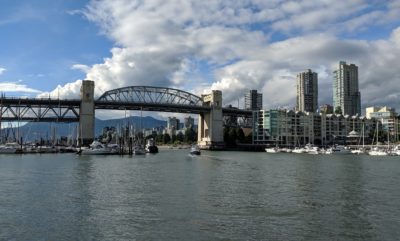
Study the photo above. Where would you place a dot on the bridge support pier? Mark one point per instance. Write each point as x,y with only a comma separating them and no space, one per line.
210,128
86,113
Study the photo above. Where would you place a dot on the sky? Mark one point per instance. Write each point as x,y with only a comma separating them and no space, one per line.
48,46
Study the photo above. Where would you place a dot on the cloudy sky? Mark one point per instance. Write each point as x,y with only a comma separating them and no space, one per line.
48,46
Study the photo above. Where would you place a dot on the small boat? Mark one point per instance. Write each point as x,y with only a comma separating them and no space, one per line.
195,150
151,146
98,148
10,148
299,150
338,150
377,152
272,150
138,150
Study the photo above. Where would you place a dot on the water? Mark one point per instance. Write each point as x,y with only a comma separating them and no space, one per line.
215,196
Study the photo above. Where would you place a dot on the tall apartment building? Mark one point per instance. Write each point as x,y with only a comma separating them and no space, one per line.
307,91
345,89
253,100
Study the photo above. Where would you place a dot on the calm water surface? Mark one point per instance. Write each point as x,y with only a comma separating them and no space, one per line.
216,196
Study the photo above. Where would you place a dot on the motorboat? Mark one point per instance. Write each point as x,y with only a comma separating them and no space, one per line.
195,150
98,148
359,151
338,150
138,150
377,152
299,150
10,148
272,150
151,146
311,149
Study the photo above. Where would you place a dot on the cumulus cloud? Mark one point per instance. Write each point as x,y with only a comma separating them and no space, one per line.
17,87
159,42
2,70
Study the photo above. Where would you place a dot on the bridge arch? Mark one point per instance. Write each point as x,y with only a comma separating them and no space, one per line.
151,95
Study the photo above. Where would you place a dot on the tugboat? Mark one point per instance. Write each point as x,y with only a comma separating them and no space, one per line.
195,150
151,146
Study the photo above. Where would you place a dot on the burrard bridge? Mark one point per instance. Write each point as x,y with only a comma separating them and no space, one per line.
145,98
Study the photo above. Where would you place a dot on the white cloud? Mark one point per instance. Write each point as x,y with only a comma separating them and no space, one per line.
16,87
158,42
2,70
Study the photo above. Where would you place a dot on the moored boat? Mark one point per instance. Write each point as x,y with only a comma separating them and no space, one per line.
98,148
195,150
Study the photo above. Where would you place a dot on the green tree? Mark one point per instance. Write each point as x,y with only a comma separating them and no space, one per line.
190,135
166,138
180,137
173,138
232,136
338,110
240,135
226,134
249,138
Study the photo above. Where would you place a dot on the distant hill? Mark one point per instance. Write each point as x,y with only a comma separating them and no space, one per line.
37,130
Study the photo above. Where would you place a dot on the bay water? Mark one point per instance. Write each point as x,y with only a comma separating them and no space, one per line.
215,196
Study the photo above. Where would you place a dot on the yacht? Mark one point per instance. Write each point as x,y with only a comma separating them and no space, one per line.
338,150
272,150
138,150
10,148
98,148
151,146
377,152
299,150
195,150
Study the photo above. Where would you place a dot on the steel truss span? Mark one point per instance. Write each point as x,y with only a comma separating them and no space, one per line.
151,95
39,110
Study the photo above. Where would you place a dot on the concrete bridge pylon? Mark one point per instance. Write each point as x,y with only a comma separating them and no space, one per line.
210,127
86,113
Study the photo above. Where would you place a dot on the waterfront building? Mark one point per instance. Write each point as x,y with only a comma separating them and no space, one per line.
307,91
346,94
388,119
253,100
295,128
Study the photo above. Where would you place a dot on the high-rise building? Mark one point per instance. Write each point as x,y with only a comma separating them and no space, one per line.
345,89
307,91
253,100
189,122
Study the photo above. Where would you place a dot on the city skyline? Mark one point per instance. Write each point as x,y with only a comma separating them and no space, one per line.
198,46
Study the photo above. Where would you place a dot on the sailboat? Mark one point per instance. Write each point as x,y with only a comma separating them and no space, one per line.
362,149
376,151
138,148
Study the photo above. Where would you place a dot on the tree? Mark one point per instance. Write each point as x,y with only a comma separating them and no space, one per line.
166,138
226,134
232,136
338,110
240,135
180,137
190,135
249,138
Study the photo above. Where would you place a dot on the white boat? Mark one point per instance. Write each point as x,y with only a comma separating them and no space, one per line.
338,150
138,150
311,149
98,148
195,150
359,151
151,146
272,150
299,150
377,152
10,148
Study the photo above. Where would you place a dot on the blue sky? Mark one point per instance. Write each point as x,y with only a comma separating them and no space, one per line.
48,46
41,40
